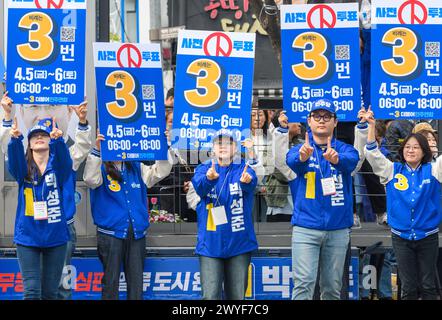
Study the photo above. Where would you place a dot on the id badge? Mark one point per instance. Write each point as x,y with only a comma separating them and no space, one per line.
40,210
219,215
328,186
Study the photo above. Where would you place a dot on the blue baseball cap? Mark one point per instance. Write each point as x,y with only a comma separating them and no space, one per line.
44,125
224,133
323,104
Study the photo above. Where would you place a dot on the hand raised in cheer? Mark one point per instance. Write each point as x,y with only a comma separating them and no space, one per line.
211,173
55,133
15,133
7,106
100,138
306,150
245,176
283,120
81,111
330,154
366,115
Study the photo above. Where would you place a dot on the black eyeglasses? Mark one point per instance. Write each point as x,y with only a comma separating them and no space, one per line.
327,117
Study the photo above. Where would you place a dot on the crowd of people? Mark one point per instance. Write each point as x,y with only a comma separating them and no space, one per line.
307,182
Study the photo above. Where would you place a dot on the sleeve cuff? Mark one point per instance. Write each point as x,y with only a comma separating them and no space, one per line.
83,127
96,153
282,130
20,138
371,145
362,125
7,124
252,162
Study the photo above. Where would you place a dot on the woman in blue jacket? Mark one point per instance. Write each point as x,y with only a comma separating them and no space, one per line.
119,209
41,231
226,237
413,211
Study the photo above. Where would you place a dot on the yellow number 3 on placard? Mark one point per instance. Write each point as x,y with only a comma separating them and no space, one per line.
405,61
40,36
402,182
208,82
314,55
124,93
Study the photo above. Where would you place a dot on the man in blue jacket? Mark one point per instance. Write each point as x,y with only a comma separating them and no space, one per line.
323,213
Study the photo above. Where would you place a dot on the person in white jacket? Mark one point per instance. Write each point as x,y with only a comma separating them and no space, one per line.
119,210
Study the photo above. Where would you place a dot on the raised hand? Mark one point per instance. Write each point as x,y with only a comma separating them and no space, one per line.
369,116
211,173
7,106
55,133
15,133
245,176
361,115
330,154
283,120
100,138
81,111
247,143
186,186
306,150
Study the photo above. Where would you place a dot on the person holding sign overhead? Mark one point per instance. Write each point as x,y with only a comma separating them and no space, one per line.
226,237
323,212
413,208
119,209
78,152
41,230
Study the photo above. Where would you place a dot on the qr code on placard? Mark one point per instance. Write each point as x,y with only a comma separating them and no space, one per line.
432,49
67,34
235,82
148,92
342,52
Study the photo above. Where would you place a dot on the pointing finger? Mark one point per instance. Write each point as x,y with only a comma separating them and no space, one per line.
307,142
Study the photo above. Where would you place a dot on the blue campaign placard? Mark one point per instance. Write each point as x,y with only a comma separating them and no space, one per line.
213,87
320,58
131,111
46,52
2,69
405,61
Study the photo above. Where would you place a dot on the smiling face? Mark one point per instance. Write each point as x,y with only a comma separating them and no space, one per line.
39,142
224,149
413,153
322,123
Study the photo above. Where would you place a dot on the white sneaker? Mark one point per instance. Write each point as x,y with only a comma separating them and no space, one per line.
381,220
356,222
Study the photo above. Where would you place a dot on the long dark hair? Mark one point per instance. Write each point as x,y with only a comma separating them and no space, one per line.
423,143
113,172
31,165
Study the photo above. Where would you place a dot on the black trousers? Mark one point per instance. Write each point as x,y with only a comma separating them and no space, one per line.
112,252
417,262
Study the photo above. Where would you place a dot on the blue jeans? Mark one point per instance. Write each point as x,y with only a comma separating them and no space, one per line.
66,282
232,271
41,270
324,249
